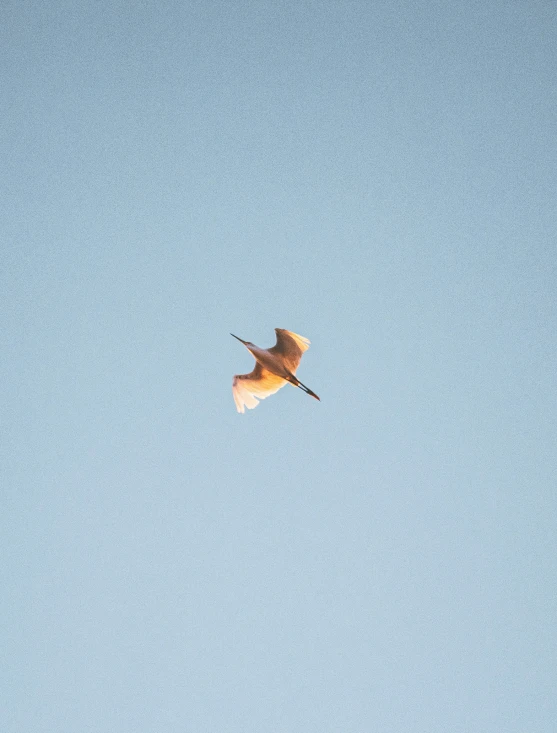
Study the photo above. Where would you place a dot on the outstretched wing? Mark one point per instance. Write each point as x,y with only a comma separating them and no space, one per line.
290,346
248,389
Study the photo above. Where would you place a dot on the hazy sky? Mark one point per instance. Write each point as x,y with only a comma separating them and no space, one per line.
376,176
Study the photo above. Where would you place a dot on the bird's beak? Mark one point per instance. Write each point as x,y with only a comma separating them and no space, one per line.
239,339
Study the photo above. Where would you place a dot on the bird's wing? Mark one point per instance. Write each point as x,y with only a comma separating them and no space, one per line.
248,389
290,346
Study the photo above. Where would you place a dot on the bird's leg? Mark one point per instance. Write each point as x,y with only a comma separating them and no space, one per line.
308,391
296,382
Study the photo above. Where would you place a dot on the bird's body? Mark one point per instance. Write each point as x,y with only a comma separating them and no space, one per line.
273,369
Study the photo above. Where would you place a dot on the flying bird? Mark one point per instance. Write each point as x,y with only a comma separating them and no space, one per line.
274,367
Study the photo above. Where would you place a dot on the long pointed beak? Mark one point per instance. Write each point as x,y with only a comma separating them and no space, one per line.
239,339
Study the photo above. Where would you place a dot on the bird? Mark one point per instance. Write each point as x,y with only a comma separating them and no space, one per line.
274,367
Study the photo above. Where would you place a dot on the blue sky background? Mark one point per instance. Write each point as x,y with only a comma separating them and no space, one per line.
376,176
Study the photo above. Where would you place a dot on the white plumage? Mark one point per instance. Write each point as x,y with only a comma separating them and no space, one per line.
273,369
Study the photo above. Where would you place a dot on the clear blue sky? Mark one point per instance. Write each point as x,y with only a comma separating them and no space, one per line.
376,176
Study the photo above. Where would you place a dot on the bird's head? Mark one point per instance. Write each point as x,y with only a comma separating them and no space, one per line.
246,343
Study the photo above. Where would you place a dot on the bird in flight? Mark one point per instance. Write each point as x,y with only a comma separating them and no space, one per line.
274,367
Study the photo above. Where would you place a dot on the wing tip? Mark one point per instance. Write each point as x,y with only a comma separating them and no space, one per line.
242,397
301,341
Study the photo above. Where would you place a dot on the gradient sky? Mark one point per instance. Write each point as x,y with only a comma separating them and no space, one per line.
376,176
